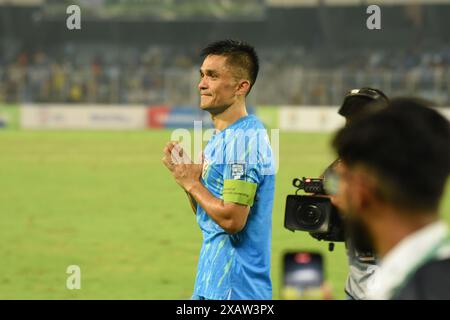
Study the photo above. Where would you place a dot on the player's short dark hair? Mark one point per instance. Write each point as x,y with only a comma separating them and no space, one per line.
238,53
407,145
359,101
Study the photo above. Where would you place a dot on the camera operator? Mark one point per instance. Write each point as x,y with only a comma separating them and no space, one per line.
361,259
393,170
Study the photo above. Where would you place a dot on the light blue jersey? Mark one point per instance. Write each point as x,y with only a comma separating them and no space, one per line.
238,168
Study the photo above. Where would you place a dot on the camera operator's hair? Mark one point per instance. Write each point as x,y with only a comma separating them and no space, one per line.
407,145
239,54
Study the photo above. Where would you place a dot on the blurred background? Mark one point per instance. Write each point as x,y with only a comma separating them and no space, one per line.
84,116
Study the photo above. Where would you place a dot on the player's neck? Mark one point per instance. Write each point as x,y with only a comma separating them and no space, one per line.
229,116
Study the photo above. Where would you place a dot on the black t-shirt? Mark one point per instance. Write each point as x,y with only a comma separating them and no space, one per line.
430,282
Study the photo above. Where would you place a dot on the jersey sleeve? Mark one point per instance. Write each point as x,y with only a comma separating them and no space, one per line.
242,170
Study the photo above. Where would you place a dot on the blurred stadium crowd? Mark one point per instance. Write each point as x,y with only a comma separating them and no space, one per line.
311,51
157,75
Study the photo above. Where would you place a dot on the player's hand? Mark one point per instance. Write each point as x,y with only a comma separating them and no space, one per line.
167,158
174,155
185,172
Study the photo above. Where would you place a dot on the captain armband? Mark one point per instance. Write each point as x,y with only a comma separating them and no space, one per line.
239,191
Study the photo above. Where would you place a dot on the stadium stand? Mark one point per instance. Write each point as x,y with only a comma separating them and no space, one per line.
310,54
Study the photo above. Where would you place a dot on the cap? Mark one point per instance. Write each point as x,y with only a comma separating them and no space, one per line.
355,99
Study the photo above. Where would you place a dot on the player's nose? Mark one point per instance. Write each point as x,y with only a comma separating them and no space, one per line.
202,85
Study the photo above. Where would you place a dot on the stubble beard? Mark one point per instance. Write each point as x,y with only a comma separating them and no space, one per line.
216,110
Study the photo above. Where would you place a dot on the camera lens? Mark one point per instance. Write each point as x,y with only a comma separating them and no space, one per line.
309,215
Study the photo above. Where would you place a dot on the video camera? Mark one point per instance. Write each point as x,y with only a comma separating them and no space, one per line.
318,216
313,213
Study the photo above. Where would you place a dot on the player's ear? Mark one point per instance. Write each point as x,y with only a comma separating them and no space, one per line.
243,87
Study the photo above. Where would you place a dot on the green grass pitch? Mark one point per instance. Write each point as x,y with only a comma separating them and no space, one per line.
104,201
